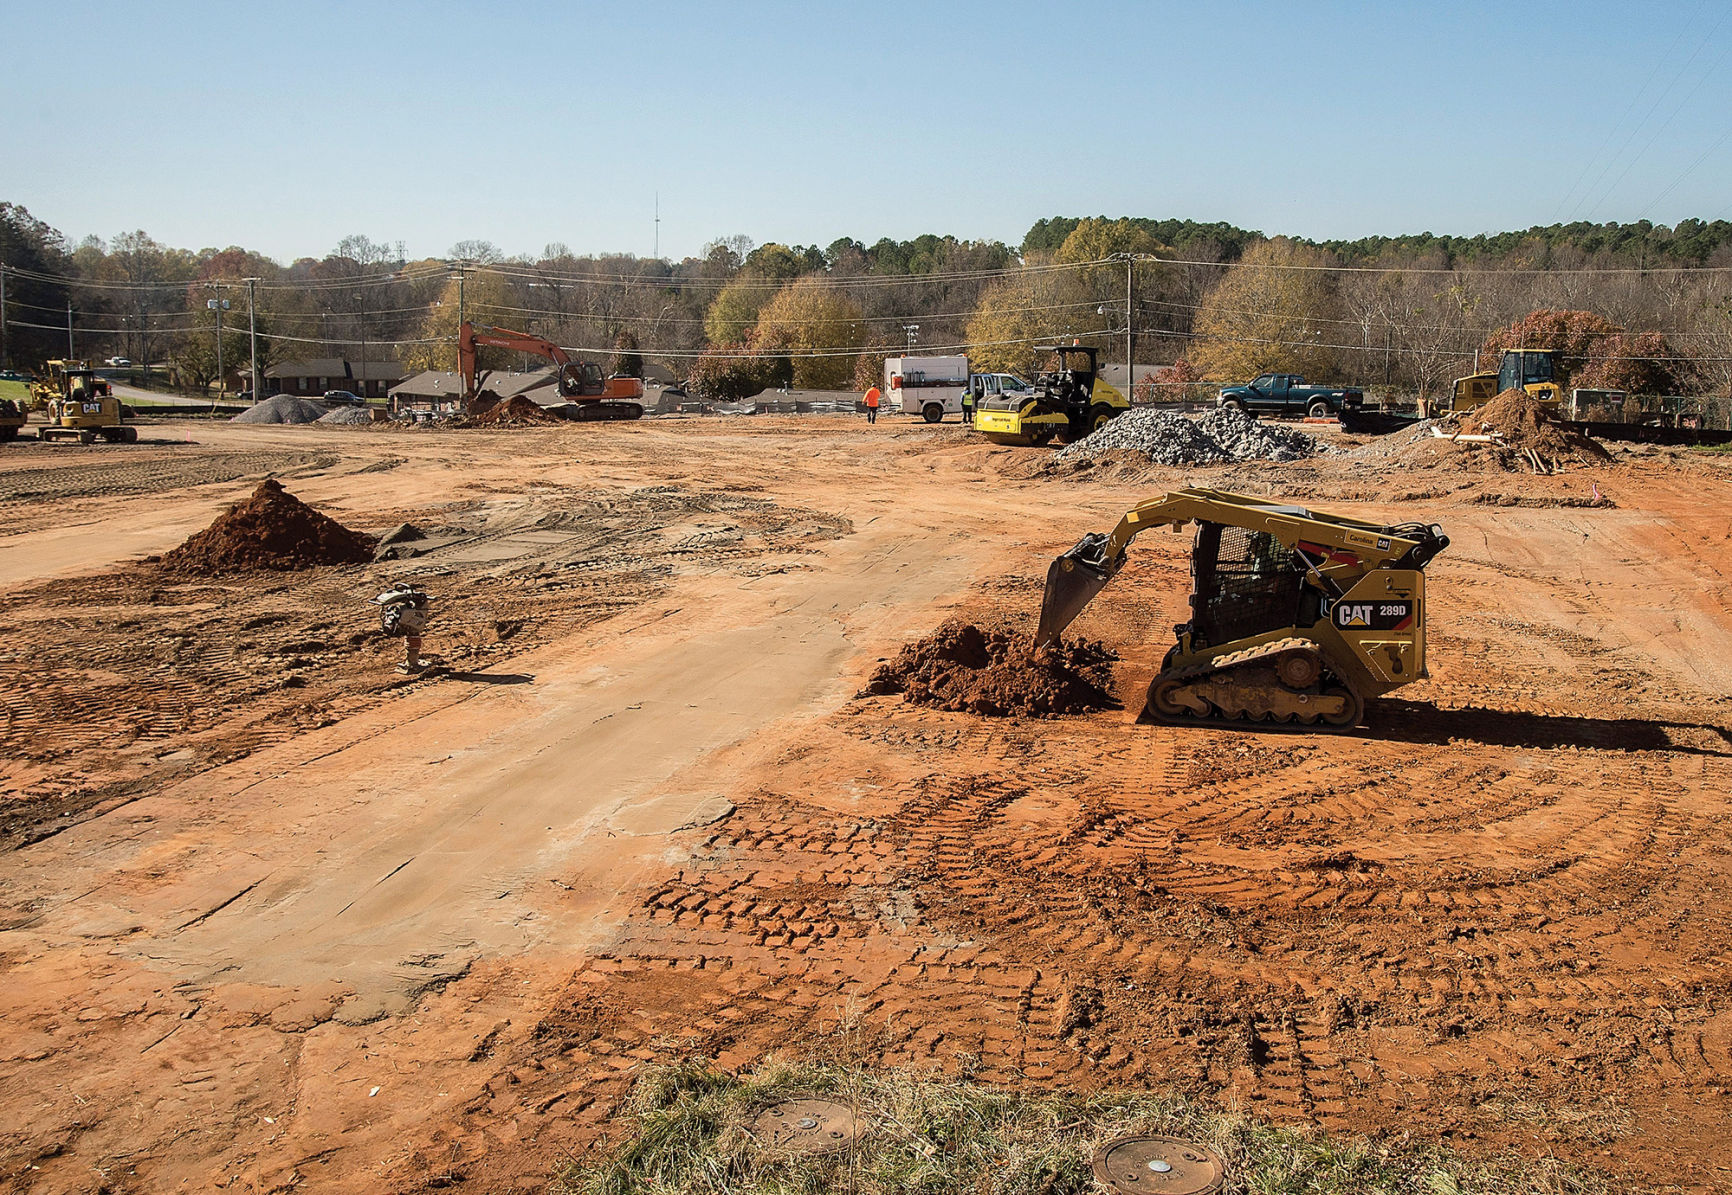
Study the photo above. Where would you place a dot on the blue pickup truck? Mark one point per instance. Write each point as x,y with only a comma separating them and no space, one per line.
1287,394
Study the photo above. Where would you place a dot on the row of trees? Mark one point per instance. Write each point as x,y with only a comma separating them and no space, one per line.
1212,301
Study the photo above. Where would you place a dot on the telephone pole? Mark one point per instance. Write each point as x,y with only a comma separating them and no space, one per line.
69,353
218,305
5,344
1130,355
253,334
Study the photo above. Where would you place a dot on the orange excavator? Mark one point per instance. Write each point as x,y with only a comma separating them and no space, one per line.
580,382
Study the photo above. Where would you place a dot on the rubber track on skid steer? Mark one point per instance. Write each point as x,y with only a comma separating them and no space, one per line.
1237,659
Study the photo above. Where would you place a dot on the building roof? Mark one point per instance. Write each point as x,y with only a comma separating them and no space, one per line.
435,383
309,367
383,370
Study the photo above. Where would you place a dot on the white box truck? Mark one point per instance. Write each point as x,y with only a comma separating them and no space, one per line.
930,387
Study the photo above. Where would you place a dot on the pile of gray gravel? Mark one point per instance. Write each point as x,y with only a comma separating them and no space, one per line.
346,415
1246,438
282,408
1168,438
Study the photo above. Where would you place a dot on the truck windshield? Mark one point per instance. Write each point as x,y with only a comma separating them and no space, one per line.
1011,382
1266,382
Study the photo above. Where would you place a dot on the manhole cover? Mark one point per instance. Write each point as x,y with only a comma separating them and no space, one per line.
1165,1165
810,1126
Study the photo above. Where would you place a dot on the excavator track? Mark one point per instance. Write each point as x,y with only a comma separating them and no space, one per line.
1284,685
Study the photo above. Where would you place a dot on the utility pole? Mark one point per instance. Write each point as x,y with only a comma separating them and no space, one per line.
69,353
5,344
459,269
912,331
218,306
253,334
658,225
1130,355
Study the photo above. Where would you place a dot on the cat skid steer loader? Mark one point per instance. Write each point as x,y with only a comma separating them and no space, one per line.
1297,616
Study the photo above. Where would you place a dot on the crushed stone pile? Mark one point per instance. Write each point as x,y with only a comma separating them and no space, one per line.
1246,438
1168,438
991,671
283,408
1162,436
346,415
1525,424
513,412
273,530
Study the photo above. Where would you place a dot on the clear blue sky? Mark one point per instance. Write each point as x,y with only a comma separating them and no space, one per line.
284,127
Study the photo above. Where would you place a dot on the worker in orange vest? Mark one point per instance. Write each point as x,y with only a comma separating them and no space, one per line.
872,397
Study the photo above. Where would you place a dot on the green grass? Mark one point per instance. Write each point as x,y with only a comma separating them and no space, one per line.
686,1131
16,391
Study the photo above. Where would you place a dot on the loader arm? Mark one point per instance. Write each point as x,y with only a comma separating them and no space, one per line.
1335,550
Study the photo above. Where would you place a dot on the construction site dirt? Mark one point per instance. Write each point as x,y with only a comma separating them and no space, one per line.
272,915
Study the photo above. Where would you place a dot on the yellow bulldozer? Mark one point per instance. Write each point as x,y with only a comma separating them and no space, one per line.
1297,616
78,405
1537,371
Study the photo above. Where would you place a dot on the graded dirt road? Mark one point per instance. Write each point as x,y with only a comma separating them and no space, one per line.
273,916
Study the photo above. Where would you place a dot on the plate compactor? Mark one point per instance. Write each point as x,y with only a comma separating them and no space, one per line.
1297,616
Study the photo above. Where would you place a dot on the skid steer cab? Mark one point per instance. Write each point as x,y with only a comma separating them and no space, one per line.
1297,616
1062,406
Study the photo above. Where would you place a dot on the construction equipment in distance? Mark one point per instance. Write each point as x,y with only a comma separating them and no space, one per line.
1063,403
1536,371
580,382
11,419
1297,616
80,406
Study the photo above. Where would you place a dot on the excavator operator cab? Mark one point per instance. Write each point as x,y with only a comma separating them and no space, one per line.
578,379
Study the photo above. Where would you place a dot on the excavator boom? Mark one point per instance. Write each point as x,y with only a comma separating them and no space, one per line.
580,382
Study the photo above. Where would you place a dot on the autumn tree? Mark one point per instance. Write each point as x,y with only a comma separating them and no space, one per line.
728,373
484,295
818,327
1575,336
627,361
1637,363
1272,311
1018,313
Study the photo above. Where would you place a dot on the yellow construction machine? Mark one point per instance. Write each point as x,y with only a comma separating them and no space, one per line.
1297,616
1065,403
80,406
1535,370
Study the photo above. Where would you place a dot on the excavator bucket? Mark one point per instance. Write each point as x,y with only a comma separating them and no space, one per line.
1071,584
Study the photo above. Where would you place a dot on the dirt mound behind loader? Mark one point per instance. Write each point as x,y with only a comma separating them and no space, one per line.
272,530
1527,424
993,671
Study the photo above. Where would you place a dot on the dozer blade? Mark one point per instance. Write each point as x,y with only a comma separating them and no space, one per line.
1071,584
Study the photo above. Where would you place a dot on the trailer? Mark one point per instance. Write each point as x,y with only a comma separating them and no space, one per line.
930,387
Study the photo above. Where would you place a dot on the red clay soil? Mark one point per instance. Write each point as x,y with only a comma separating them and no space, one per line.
994,671
1525,423
274,530
513,412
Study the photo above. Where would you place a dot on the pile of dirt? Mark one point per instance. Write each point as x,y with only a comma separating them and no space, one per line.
994,671
274,530
1168,438
283,408
1527,424
347,415
1529,438
513,412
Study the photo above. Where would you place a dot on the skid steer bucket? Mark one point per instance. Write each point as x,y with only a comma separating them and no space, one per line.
1071,584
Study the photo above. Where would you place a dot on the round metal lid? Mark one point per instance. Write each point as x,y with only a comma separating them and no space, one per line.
807,1125
1162,1165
